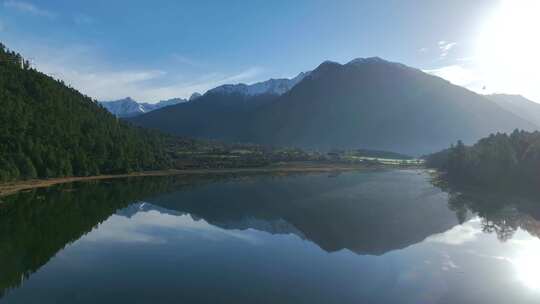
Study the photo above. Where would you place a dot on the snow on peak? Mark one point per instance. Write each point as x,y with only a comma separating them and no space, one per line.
272,86
127,107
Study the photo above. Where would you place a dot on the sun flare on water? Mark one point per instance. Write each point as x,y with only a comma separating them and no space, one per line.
508,53
527,265
508,47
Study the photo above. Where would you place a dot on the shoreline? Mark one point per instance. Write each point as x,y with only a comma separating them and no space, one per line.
17,186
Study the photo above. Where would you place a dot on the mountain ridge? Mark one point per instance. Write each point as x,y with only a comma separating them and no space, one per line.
366,103
273,86
128,107
518,105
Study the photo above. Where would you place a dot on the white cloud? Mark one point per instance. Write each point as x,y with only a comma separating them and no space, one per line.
423,50
200,84
83,68
28,8
445,47
102,83
248,74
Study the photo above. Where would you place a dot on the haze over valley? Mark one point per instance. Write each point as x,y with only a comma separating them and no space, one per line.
350,151
367,103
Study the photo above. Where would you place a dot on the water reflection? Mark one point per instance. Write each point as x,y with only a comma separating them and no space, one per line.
527,264
35,225
502,214
380,236
365,213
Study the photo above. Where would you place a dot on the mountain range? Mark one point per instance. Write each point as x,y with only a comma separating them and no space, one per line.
269,87
366,103
127,107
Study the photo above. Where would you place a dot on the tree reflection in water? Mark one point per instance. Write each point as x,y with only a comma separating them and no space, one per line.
500,213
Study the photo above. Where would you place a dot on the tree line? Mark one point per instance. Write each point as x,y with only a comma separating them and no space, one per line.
501,160
48,129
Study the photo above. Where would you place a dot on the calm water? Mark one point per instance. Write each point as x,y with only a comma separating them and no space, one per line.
371,237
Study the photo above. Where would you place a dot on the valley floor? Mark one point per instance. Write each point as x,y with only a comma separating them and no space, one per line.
297,167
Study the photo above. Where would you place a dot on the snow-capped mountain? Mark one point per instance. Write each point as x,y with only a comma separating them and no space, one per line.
369,102
128,107
272,226
137,207
272,86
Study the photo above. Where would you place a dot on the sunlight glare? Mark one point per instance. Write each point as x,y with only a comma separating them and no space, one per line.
527,265
508,48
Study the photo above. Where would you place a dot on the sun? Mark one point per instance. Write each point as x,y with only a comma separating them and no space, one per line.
508,46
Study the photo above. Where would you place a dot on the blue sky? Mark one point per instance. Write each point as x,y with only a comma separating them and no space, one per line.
154,50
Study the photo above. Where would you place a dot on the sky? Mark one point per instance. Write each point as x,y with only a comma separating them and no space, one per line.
161,49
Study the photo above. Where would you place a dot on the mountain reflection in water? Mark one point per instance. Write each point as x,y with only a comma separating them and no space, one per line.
369,213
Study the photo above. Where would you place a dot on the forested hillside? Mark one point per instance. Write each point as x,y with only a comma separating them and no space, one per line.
50,130
499,160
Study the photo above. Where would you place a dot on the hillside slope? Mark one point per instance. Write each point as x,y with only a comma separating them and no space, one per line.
377,104
519,105
49,130
214,116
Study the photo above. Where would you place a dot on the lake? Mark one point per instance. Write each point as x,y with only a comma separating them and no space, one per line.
382,236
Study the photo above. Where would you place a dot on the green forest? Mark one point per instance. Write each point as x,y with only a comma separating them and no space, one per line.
499,160
48,129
